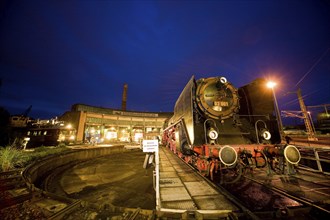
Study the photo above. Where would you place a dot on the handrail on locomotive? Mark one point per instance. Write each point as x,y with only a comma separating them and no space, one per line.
264,132
211,132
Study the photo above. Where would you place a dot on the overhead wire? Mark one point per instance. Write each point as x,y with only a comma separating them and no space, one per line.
310,70
304,76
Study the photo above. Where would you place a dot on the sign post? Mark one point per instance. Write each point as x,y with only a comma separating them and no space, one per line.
151,148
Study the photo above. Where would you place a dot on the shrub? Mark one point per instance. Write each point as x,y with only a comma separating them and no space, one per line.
10,158
61,145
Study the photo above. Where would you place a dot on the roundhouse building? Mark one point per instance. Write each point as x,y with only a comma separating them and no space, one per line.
105,125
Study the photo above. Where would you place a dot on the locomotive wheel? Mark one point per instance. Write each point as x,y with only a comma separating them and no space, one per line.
231,175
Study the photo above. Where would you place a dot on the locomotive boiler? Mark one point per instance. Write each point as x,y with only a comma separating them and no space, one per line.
221,129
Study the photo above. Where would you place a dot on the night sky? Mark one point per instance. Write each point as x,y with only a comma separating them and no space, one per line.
54,54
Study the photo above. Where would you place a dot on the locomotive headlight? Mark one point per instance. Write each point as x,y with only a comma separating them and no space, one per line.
266,135
213,134
223,80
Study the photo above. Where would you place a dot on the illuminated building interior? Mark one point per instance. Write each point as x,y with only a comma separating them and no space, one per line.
105,125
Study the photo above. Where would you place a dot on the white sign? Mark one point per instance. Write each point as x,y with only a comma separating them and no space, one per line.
150,146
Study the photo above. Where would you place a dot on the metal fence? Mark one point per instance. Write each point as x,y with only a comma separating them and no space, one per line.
316,159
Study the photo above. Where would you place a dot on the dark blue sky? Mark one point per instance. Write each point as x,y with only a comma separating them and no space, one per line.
57,53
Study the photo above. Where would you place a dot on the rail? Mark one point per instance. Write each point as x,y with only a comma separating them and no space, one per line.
321,210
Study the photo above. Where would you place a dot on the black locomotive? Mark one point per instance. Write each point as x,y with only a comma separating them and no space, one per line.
217,127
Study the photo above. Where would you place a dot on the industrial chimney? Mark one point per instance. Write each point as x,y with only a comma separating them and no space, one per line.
123,103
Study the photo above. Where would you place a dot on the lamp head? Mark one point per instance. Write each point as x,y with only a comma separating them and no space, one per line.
271,84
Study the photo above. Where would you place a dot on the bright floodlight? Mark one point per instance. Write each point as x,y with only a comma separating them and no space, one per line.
271,84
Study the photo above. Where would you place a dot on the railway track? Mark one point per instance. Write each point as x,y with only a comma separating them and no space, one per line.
261,196
85,209
300,196
45,199
28,203
20,200
13,188
258,196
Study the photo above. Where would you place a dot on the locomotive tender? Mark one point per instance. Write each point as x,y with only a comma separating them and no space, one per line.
216,127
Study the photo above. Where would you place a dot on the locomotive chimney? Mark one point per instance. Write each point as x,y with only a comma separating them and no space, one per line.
123,103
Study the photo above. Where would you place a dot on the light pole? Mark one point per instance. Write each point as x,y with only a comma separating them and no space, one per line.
271,85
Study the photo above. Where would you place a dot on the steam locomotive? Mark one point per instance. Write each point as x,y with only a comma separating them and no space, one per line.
218,128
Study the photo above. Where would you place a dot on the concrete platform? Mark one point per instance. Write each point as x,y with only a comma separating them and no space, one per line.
181,188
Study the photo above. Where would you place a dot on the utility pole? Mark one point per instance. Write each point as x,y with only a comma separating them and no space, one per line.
309,128
307,119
